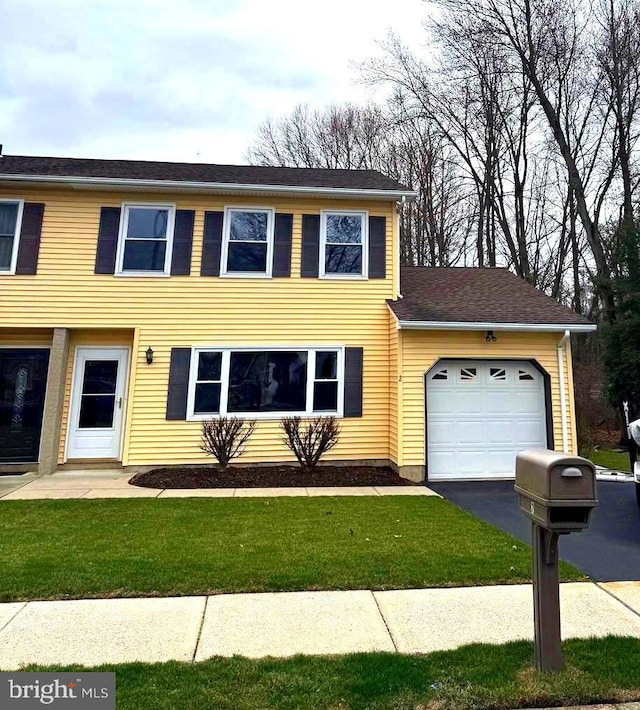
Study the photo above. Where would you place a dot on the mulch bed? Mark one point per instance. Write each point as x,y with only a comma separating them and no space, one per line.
268,477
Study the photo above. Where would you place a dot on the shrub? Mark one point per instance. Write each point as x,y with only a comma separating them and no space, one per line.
310,440
225,438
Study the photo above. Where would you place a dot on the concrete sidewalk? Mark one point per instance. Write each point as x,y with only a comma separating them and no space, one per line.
92,632
114,484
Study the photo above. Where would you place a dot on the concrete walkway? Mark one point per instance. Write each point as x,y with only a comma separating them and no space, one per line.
92,632
113,484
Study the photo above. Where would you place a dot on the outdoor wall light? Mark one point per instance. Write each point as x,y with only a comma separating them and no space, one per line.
149,354
491,338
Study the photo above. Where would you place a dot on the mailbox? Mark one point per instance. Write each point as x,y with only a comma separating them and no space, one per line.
555,490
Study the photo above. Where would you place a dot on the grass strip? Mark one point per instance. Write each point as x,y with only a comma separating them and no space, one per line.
476,677
60,549
616,460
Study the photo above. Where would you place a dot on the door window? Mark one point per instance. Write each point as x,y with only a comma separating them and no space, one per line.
98,394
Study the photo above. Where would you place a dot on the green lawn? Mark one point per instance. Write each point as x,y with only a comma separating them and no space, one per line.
611,459
477,677
60,549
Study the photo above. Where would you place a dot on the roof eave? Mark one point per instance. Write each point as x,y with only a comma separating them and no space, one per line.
214,187
514,327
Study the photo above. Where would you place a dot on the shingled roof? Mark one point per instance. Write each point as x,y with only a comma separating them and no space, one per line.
485,296
145,171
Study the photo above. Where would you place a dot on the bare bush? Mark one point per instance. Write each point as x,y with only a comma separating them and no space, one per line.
310,440
225,438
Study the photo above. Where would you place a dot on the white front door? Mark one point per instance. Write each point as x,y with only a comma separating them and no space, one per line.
97,403
480,413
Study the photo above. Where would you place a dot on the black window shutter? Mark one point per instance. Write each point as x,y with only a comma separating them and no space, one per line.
212,244
107,240
353,358
178,383
282,245
182,243
377,247
29,241
310,245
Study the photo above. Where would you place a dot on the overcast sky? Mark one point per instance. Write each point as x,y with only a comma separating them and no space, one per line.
182,80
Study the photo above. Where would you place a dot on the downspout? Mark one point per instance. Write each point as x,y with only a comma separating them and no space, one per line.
563,392
399,251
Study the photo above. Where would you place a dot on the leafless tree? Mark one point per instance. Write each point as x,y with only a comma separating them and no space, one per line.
434,228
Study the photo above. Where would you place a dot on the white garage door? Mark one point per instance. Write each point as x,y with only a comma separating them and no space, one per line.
480,414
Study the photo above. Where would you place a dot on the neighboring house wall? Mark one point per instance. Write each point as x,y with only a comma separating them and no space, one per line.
421,349
194,310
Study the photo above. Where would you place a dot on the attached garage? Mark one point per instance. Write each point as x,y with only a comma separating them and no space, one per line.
483,371
479,414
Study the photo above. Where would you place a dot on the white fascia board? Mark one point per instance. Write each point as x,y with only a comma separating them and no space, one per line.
172,185
517,327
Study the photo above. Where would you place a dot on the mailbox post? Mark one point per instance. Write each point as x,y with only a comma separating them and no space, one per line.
557,492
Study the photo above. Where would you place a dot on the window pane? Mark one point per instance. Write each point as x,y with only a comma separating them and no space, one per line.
268,382
326,365
6,250
147,223
96,411
209,366
8,217
325,396
144,256
247,257
248,226
343,260
100,377
207,399
344,229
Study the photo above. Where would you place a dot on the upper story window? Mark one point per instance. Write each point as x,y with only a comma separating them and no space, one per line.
146,236
343,244
247,241
10,219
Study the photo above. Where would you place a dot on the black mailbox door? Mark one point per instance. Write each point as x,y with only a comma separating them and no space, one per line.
23,380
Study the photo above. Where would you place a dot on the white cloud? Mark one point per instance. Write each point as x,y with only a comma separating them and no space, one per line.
158,79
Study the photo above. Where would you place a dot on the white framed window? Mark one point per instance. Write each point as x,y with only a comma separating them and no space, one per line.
146,239
344,238
10,224
247,241
266,383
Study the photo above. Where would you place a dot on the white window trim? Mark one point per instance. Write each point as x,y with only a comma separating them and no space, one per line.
16,237
224,381
364,215
226,233
124,222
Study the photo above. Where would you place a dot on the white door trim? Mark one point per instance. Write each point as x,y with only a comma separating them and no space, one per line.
122,388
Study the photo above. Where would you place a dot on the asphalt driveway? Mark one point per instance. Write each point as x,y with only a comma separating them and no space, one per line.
608,551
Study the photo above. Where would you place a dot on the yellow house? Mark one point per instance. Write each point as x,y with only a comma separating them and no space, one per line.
139,298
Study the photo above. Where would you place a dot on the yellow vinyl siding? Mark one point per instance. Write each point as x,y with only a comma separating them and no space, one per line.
395,415
25,337
421,349
184,311
571,400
